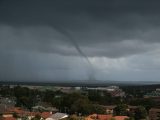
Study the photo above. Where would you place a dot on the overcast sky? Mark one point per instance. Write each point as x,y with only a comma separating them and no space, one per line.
50,40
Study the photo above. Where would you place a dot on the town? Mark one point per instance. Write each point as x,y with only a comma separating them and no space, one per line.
27,102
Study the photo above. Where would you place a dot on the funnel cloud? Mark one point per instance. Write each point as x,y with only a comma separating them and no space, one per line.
77,47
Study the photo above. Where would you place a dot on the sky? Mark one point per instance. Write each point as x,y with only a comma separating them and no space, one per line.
50,40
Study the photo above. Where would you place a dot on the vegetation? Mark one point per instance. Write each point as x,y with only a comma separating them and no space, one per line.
140,113
102,97
37,117
81,104
120,109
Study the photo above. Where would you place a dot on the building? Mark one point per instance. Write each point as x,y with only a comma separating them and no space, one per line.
154,113
9,114
120,117
57,116
105,117
115,91
153,94
109,109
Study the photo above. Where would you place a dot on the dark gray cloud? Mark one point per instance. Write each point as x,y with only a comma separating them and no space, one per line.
112,32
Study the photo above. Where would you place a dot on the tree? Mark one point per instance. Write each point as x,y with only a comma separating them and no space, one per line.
73,117
158,116
140,113
130,118
25,118
120,109
58,102
98,109
15,115
26,101
81,106
48,96
112,119
37,117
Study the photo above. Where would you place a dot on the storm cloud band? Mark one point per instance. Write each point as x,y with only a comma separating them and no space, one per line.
121,39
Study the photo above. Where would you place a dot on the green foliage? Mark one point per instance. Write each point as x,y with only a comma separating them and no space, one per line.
69,99
73,117
37,117
6,91
158,116
25,118
140,113
112,119
102,97
147,103
57,102
15,115
81,106
77,103
25,97
130,118
48,96
120,109
98,109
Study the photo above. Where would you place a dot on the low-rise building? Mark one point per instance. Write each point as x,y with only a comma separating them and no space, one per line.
109,109
57,116
115,91
154,113
42,108
105,117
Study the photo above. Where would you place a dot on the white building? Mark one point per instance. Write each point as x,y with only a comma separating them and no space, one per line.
57,116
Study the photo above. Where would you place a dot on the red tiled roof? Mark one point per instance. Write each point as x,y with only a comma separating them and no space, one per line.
91,117
9,118
17,110
45,114
104,117
22,112
154,109
120,117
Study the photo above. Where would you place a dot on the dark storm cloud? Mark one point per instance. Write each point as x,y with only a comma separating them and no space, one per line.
93,21
88,22
112,29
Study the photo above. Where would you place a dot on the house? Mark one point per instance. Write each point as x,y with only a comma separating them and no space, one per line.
57,116
154,113
105,117
31,115
19,111
7,115
91,117
109,109
120,117
98,117
117,93
8,118
45,115
9,101
38,108
4,108
42,108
